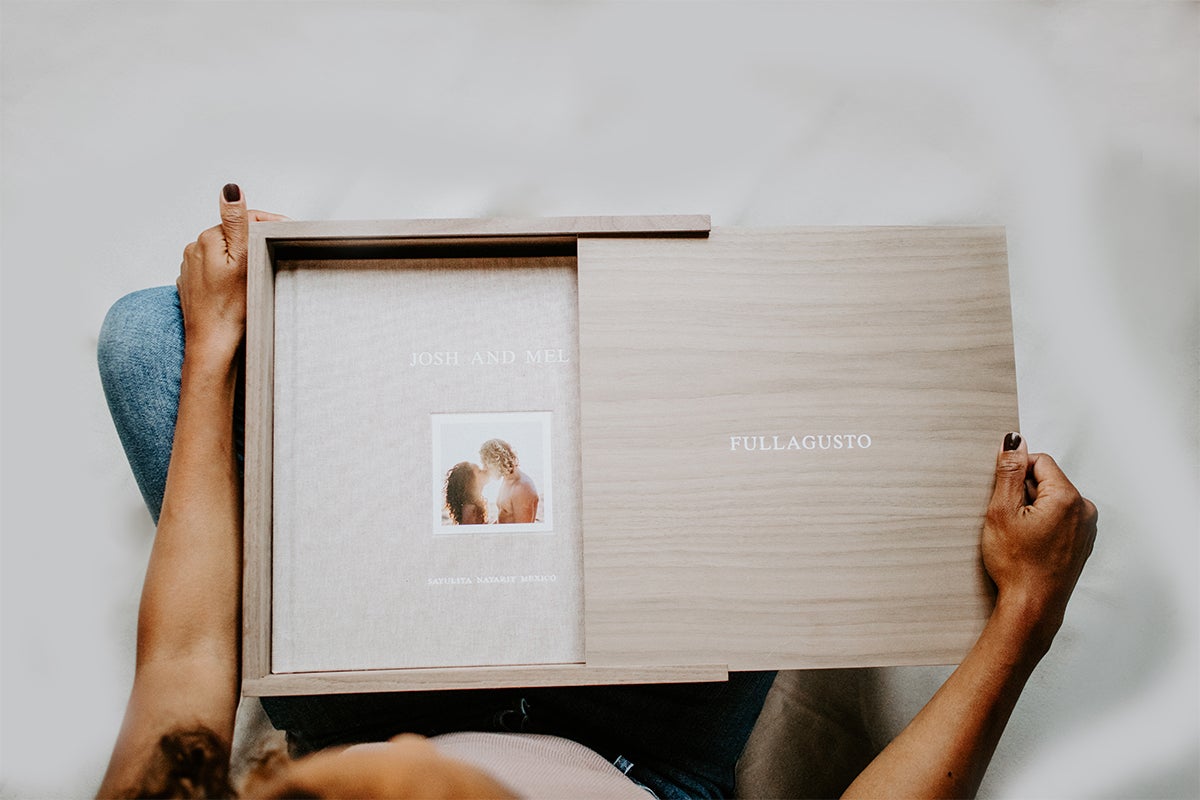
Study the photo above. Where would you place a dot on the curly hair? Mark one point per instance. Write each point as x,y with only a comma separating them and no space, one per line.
193,764
461,488
499,453
188,764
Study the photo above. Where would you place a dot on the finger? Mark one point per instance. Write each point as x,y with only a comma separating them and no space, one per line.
1050,478
211,240
234,223
1012,462
266,216
1056,493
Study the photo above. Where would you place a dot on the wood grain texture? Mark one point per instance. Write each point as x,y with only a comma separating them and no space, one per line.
475,678
696,552
697,224
256,528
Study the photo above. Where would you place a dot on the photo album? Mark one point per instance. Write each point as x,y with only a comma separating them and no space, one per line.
568,451
426,483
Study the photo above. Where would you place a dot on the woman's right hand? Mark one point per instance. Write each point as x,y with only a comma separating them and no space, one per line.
212,280
1039,533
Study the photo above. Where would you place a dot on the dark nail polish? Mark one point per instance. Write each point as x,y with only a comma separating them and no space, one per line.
1012,441
232,193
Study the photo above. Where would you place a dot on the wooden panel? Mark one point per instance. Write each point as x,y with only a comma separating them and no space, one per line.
474,678
705,548
256,529
697,224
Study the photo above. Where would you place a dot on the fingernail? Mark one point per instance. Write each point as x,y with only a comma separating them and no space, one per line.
232,193
1012,441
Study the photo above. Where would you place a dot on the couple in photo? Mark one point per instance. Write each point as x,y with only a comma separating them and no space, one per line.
518,497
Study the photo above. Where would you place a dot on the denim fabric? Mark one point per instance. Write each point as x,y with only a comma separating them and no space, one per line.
140,355
678,740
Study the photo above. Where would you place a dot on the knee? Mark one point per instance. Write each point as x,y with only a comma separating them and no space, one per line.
141,329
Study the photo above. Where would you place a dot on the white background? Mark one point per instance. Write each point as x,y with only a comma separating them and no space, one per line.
1073,124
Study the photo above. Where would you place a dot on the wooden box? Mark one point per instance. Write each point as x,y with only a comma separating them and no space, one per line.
771,448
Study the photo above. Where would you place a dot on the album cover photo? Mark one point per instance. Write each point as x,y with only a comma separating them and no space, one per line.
491,473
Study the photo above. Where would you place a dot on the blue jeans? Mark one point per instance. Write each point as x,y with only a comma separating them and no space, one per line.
678,740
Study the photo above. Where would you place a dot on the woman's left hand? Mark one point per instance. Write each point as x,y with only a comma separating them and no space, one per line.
212,280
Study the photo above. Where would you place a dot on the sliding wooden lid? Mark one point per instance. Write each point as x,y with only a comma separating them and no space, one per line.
788,442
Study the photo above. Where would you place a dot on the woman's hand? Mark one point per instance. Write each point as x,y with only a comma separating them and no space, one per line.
212,281
1038,534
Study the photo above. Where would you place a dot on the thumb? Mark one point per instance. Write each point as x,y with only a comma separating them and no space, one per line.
1012,463
234,224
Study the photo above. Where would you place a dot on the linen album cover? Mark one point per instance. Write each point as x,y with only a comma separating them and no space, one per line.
426,465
